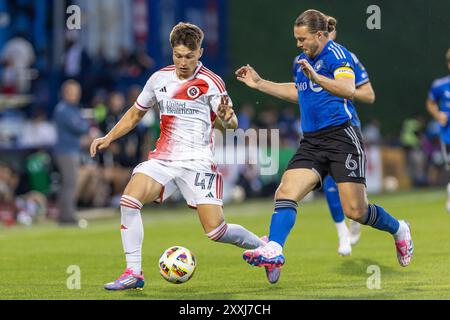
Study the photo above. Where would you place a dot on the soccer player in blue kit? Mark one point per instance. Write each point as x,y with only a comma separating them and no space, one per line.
438,105
364,93
324,88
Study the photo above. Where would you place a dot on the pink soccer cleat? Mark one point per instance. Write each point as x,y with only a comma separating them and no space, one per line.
128,280
272,273
405,246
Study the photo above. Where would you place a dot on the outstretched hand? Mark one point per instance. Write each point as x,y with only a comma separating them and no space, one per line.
248,75
308,70
99,144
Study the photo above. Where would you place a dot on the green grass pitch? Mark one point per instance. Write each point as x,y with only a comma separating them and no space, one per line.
34,261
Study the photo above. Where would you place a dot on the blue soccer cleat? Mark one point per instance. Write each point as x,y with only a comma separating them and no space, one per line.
128,280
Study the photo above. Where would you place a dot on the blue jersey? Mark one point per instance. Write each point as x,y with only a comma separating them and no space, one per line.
440,93
320,109
361,77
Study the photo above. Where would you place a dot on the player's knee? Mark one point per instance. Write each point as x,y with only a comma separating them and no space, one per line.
218,232
283,192
355,211
131,202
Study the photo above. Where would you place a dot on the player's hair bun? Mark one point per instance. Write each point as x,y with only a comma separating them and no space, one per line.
331,24
316,21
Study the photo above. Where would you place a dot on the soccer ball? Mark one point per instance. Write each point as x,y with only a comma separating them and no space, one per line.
177,264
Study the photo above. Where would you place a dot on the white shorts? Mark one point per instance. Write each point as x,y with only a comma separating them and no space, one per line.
202,185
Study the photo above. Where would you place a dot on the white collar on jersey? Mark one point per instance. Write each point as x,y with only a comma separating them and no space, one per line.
199,66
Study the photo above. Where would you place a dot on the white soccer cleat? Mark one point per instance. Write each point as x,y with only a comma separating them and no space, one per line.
404,245
355,232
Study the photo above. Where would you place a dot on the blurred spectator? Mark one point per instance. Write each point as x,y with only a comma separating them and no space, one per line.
122,154
12,122
101,75
70,127
99,106
76,63
38,132
38,168
30,206
93,189
148,128
432,147
250,180
287,123
411,137
9,182
134,64
371,132
245,116
76,60
17,58
267,119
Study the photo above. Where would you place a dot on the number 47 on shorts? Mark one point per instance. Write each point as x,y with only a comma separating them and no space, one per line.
204,180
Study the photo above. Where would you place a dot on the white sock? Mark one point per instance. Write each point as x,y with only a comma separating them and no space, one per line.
132,231
235,234
342,229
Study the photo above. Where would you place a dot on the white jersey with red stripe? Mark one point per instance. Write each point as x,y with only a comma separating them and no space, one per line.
187,113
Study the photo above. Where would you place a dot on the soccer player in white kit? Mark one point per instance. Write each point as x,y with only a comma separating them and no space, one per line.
190,97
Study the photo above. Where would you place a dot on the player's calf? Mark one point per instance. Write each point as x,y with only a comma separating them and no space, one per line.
235,234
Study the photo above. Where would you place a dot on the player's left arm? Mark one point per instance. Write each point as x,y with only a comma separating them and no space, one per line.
343,84
365,93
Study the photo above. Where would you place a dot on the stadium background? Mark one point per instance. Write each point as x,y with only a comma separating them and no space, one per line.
402,58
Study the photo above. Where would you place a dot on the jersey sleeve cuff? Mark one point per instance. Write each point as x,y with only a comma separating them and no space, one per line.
140,106
359,84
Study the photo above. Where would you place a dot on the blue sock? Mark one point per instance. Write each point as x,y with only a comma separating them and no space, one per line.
283,219
379,219
334,202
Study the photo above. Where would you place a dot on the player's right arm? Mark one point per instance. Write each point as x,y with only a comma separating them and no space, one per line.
438,115
129,120
251,78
